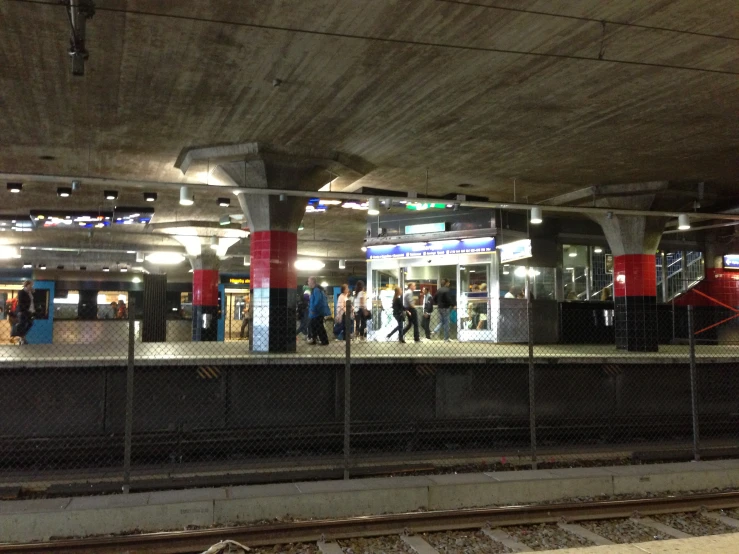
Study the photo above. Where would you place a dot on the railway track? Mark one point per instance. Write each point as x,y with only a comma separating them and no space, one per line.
492,521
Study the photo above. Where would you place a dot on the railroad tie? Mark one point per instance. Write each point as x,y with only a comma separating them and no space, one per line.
666,529
726,520
329,547
587,534
418,544
506,540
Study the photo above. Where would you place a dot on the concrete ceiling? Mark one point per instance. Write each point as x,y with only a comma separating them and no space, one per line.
467,93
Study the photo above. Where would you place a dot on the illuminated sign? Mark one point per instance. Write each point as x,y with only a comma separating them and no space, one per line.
425,228
420,206
731,261
513,251
436,248
235,281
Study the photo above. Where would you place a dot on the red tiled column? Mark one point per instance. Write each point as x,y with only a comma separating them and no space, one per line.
273,295
635,298
204,304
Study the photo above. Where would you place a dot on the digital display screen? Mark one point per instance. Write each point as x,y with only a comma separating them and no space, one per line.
517,250
425,228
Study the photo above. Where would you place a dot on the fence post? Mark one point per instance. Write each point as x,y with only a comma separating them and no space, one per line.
347,386
693,386
129,399
532,391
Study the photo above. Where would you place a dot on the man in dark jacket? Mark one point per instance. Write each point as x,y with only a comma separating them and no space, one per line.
317,311
25,311
443,299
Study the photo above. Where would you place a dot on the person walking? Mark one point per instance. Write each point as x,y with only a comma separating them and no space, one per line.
443,299
24,311
340,326
428,308
318,310
303,316
11,308
360,310
399,314
409,302
245,317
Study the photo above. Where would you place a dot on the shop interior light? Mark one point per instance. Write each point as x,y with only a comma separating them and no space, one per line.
597,250
64,192
111,194
330,202
309,265
150,196
8,252
683,222
136,280
536,217
374,207
15,187
573,253
165,258
186,196
224,202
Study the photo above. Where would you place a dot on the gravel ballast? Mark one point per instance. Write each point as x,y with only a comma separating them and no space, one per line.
623,531
464,542
546,537
693,524
391,544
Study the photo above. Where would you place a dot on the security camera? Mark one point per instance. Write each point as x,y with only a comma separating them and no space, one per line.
428,261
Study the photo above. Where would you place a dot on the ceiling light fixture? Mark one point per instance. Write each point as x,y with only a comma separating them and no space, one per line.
342,264
15,187
139,257
165,258
225,220
150,196
8,252
683,222
106,268
111,194
224,202
247,261
124,270
64,192
374,207
27,266
597,250
42,266
309,265
536,217
136,280
186,196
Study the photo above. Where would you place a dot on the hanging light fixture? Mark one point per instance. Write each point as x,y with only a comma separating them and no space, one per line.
150,196
139,257
374,207
683,222
247,261
186,196
342,264
536,217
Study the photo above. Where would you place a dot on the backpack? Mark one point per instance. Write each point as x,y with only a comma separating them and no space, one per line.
428,305
325,310
12,306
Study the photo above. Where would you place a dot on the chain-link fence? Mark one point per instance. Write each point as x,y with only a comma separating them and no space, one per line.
481,381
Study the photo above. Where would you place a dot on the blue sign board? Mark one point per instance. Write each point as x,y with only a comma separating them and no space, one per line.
731,261
436,248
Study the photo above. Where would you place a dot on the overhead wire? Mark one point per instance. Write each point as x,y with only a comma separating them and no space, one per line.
403,42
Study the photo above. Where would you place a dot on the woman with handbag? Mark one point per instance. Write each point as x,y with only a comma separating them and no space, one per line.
362,314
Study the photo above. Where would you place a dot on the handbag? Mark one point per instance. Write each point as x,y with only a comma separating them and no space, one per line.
367,313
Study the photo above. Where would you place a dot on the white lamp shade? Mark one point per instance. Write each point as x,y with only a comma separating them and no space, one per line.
683,222
186,196
374,207
536,217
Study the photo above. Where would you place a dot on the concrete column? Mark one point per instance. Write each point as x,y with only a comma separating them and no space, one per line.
205,306
273,221
634,241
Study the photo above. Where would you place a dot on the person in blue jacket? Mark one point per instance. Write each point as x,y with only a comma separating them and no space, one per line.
317,310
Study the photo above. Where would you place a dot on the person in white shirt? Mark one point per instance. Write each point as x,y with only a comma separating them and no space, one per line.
360,310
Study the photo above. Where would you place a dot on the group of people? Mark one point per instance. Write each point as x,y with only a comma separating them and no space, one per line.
20,312
118,310
313,308
406,313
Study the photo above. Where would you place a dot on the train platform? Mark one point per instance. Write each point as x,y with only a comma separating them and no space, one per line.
38,520
237,352
713,544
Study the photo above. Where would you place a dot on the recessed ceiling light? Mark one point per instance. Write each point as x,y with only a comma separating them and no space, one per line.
106,269
42,266
64,192
46,158
597,250
150,196
15,187
464,185
124,270
60,267
111,194
27,266
224,202
83,268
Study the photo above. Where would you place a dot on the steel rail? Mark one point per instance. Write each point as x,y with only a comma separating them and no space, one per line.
330,529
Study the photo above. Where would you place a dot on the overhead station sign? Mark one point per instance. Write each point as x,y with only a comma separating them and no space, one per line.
731,261
513,251
435,248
